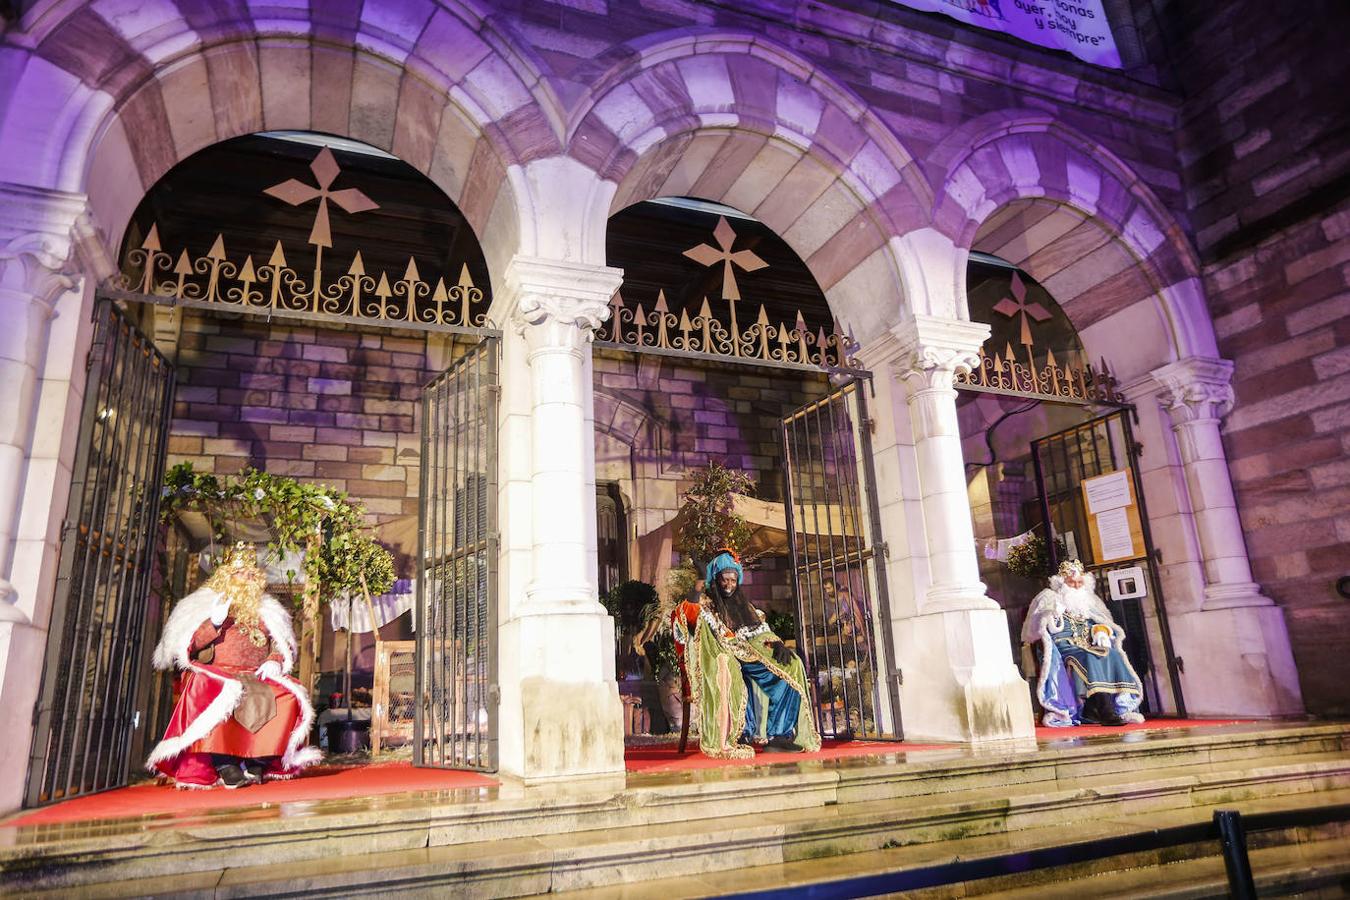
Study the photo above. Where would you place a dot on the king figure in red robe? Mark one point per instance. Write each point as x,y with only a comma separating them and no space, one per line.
239,719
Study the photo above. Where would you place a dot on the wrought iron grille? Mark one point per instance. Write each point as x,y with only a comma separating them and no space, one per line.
456,713
1063,461
86,716
843,609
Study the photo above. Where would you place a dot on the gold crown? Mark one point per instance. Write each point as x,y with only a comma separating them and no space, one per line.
1070,567
241,556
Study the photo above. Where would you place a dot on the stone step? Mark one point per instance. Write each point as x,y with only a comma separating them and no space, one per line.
522,868
1284,861
571,839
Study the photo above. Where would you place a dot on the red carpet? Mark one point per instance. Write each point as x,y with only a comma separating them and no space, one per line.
336,783
318,783
1079,731
667,757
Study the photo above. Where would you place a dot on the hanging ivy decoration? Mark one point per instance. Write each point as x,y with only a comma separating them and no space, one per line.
298,513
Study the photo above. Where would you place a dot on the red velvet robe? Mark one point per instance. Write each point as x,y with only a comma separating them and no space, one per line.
203,726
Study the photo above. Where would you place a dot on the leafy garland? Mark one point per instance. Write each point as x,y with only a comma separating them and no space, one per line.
297,512
1029,559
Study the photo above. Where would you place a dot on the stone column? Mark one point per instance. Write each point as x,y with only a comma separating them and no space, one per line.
932,352
42,336
561,715
32,276
952,647
1235,647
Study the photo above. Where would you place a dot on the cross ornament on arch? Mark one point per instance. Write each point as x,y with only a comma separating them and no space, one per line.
711,256
296,193
1017,305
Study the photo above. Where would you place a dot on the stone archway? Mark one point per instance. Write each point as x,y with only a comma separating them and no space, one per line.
738,120
1032,191
136,94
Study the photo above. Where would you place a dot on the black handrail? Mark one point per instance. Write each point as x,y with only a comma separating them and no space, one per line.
1228,827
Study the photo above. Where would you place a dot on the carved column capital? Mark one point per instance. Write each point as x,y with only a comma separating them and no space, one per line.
40,232
36,267
930,351
1195,389
559,303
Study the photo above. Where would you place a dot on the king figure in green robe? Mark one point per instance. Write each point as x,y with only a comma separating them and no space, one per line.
749,687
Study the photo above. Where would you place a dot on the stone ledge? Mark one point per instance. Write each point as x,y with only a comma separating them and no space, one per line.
818,810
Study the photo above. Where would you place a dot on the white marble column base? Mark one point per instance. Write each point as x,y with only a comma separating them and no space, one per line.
21,651
1238,662
1230,595
563,705
959,681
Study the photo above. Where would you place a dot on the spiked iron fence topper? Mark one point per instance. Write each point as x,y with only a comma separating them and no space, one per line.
157,274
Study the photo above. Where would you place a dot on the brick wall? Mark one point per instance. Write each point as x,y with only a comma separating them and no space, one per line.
707,413
324,405
1266,163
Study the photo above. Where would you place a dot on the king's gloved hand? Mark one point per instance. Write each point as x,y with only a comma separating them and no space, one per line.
1101,637
781,654
269,669
220,611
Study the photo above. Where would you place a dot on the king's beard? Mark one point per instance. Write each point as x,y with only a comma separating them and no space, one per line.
1078,600
244,589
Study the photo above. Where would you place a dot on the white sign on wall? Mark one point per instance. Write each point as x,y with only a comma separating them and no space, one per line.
1078,26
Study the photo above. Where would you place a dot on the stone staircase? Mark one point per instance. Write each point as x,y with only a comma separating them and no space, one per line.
718,831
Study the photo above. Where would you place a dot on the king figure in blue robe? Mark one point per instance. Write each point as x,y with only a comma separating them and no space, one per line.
1085,676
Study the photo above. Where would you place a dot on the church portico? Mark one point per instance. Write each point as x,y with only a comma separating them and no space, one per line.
890,151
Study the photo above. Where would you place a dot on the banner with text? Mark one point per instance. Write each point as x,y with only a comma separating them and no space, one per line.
1078,26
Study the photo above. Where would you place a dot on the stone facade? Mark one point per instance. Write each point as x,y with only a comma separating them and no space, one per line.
882,144
320,404
657,419
1266,165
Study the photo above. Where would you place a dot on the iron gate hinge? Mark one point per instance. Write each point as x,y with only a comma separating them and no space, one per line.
1181,665
899,676
870,424
882,548
37,713
495,694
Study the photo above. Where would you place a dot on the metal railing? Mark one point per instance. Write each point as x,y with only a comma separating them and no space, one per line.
85,716
1228,827
843,610
455,721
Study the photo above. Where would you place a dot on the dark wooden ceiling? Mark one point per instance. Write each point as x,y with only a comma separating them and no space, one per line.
220,191
648,240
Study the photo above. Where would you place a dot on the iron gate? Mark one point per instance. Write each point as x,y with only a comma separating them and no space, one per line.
455,718
838,571
1063,461
85,717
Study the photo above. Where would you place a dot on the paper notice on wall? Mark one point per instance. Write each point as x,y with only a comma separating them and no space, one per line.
1113,528
1078,26
1107,492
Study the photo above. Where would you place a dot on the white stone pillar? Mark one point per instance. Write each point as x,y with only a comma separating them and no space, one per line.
561,714
933,350
951,639
40,382
1235,647
33,261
